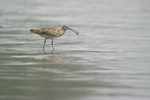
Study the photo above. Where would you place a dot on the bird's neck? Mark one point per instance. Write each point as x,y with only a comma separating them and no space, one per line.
62,31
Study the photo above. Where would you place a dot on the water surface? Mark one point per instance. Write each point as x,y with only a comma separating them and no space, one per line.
109,60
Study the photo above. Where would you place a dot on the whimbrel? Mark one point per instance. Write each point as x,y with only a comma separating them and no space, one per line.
52,32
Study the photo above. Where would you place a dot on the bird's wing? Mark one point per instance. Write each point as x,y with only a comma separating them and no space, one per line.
51,31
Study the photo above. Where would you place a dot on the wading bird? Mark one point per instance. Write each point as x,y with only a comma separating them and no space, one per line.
52,32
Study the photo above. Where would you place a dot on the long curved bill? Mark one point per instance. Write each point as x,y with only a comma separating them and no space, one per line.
74,31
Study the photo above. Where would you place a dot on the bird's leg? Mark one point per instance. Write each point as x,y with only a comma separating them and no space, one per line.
44,44
52,44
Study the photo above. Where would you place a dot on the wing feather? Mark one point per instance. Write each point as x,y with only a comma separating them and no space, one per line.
50,31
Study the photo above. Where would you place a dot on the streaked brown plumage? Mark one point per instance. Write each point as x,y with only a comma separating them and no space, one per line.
52,32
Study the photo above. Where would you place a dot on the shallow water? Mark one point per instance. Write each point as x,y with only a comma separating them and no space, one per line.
108,60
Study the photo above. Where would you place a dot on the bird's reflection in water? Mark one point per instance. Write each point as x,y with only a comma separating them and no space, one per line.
53,58
55,71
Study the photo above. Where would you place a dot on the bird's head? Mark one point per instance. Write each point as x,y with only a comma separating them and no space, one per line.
65,27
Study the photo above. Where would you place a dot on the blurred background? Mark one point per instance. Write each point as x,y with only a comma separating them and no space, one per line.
108,60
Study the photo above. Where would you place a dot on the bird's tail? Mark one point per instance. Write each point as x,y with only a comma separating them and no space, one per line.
34,31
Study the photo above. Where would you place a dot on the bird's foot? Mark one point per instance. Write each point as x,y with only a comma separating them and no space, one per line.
44,51
52,51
